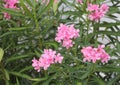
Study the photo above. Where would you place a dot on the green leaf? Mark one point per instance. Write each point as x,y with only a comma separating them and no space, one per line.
55,7
109,33
7,34
118,47
90,36
46,8
19,28
25,69
1,54
37,53
85,75
52,43
12,11
1,16
49,79
26,10
113,9
39,79
29,2
27,76
79,83
111,82
4,22
17,81
105,24
108,69
89,71
98,80
21,75
6,74
13,58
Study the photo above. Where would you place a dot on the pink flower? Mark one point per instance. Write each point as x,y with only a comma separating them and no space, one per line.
96,12
79,1
58,58
7,16
94,54
44,63
93,7
104,56
47,58
67,43
104,8
9,4
35,64
65,34
97,15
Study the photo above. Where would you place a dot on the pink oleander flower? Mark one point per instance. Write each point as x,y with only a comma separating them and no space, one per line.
93,7
35,64
96,11
47,58
65,34
104,8
97,15
103,55
79,1
9,4
94,54
67,43
58,58
7,16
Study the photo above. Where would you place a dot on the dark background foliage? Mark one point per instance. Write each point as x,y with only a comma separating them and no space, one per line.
32,29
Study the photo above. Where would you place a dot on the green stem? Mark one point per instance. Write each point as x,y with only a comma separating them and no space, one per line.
35,17
37,24
93,67
92,70
87,32
4,76
95,30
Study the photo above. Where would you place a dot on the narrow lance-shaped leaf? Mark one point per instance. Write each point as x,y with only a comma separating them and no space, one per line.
1,54
55,6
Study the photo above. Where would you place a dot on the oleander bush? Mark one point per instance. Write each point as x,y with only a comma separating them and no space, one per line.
59,42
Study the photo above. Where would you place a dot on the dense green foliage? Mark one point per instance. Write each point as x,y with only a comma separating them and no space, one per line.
32,28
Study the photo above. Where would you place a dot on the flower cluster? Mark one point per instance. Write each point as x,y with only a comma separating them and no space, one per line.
96,11
47,58
65,34
9,4
94,54
79,1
